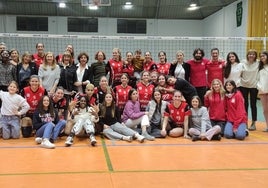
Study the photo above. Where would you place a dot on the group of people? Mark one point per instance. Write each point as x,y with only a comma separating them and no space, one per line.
129,99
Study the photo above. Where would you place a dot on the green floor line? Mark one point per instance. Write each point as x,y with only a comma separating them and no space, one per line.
136,171
107,157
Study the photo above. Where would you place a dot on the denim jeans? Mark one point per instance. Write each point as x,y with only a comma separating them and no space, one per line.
58,128
11,126
45,131
240,134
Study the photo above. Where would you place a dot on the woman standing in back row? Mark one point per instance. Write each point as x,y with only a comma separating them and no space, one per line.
248,87
262,85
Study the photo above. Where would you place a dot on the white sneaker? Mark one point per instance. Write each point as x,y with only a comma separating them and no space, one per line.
38,140
69,141
127,138
47,144
140,138
148,137
93,140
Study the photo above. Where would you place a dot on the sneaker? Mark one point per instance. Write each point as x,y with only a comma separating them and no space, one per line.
252,127
195,138
38,140
93,140
148,137
69,141
47,144
127,138
140,138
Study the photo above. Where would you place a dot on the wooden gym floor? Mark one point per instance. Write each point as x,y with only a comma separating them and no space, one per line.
170,162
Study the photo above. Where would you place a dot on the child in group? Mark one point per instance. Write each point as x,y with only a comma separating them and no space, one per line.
111,121
156,108
13,106
214,100
133,116
32,94
236,114
46,123
175,123
90,95
84,118
201,128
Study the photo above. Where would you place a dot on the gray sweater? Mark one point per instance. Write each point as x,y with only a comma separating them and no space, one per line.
200,119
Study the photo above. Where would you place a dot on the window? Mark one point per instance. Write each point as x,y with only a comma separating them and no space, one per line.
131,26
82,25
32,23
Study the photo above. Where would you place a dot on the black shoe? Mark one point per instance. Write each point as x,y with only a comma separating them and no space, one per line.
195,138
216,137
247,133
51,140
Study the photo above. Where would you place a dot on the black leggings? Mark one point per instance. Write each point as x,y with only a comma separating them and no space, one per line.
253,92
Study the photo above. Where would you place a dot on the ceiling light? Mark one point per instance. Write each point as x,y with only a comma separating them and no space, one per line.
192,8
62,5
193,5
93,7
128,5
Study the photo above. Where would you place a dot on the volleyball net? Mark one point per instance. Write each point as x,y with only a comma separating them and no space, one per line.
93,43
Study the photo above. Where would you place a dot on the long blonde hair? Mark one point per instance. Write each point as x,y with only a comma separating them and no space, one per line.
212,91
45,63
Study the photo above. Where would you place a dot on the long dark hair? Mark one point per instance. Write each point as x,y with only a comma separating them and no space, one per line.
41,109
130,93
262,63
160,104
233,84
228,66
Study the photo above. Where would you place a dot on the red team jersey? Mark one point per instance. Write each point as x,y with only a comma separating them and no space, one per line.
33,97
38,60
121,94
145,94
129,69
116,71
166,96
163,68
177,115
198,72
215,70
151,66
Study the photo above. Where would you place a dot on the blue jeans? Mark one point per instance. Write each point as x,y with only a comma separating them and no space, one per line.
45,131
58,128
240,134
11,126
